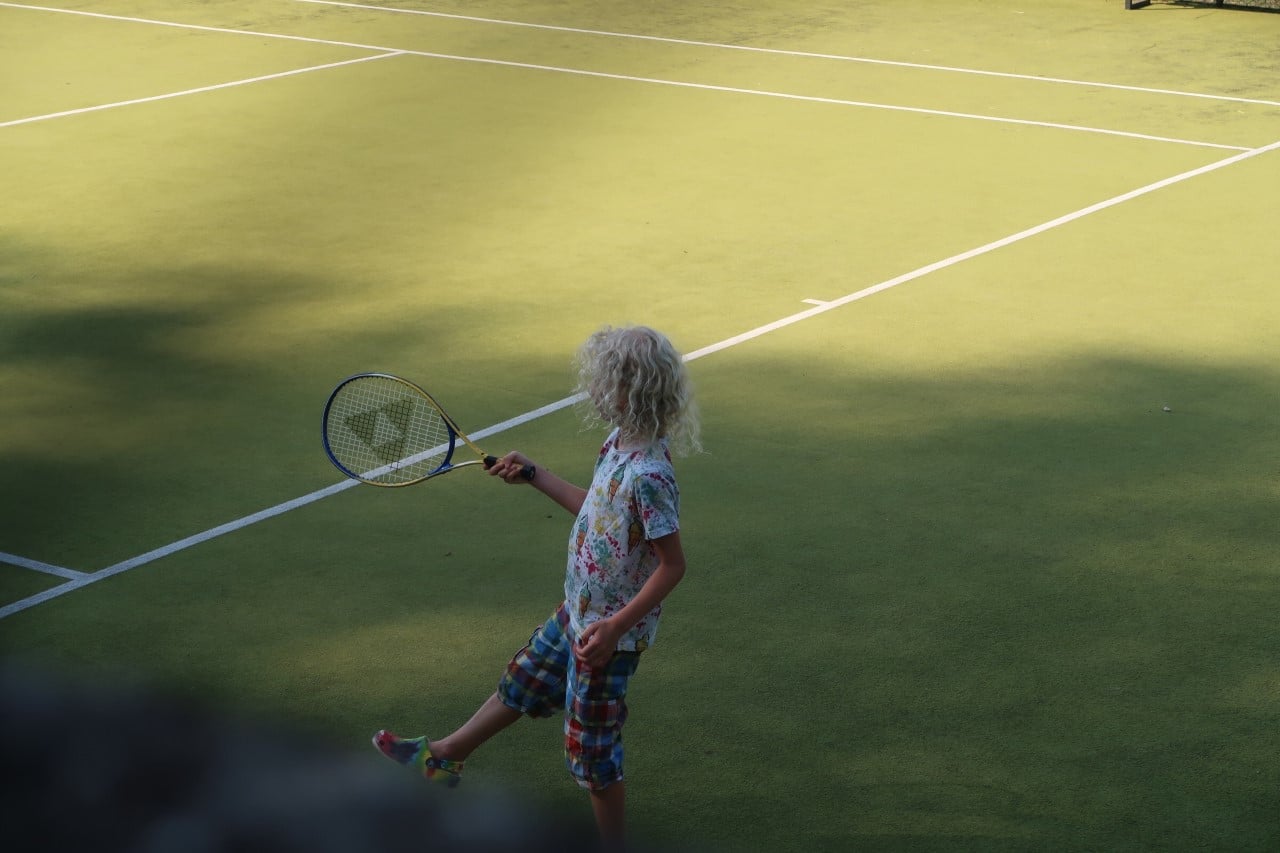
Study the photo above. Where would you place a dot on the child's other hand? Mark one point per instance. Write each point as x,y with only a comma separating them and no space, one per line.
597,643
509,467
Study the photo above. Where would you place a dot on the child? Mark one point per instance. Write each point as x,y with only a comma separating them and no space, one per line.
624,559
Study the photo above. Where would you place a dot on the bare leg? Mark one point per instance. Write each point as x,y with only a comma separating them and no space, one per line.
609,806
489,719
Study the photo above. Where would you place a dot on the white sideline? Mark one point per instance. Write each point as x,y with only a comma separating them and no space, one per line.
390,51
823,307
19,606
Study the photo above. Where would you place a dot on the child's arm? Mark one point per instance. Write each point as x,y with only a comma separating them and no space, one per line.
598,640
561,491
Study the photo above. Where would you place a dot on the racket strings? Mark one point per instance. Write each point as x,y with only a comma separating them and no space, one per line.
380,430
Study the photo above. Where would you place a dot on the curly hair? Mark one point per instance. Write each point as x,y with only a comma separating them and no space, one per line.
636,381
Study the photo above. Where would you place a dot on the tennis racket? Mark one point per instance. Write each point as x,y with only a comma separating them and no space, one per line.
386,431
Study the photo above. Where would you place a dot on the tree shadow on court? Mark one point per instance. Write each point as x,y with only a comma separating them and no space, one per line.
1017,608
143,404
1022,610
108,415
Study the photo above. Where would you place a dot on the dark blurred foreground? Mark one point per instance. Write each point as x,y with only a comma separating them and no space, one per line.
95,770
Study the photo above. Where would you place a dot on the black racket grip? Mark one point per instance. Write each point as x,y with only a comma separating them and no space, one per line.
527,472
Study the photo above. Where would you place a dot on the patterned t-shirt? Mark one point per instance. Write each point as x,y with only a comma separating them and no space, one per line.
632,500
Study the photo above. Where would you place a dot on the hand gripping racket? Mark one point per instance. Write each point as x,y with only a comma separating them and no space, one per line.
386,431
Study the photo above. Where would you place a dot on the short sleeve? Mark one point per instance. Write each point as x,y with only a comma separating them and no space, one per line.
658,503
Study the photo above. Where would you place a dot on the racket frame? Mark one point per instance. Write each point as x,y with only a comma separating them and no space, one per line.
444,467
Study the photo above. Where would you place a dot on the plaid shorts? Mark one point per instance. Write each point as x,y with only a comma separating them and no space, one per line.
544,678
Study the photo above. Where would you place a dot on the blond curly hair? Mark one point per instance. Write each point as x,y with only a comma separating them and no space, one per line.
635,380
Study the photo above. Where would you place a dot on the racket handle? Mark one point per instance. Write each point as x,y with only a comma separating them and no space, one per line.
528,472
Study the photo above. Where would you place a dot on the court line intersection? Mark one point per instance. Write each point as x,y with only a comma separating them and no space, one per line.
383,50
952,69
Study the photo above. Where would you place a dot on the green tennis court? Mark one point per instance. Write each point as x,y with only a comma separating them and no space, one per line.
981,301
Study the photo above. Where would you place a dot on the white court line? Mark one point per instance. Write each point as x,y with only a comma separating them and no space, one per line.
981,250
185,92
182,544
803,54
172,548
240,523
36,565
651,80
106,17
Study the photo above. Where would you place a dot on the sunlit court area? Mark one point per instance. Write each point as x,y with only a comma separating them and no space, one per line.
979,300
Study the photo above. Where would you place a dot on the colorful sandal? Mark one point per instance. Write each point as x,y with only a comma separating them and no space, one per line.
416,752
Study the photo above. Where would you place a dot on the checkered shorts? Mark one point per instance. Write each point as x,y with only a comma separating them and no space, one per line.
544,678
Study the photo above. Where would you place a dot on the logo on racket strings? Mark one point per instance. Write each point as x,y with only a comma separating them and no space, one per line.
384,430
